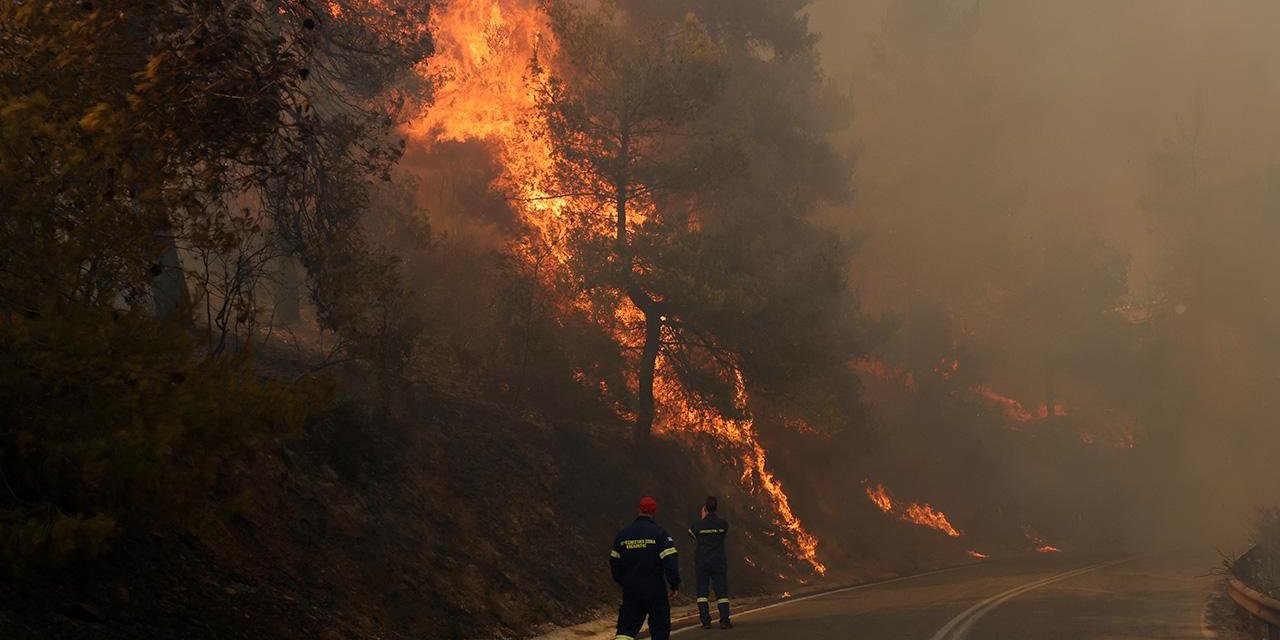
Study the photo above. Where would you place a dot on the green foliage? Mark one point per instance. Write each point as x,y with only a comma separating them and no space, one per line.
108,418
694,144
126,132
169,120
51,539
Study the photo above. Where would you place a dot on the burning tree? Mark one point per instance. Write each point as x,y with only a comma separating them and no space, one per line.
632,145
689,157
663,165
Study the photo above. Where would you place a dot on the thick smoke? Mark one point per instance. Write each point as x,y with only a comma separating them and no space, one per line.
1083,199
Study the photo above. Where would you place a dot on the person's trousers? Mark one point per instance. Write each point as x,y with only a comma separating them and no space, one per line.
712,579
635,608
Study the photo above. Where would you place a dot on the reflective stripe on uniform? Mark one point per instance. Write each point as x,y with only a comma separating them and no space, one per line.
638,543
666,552
613,553
623,638
722,601
703,600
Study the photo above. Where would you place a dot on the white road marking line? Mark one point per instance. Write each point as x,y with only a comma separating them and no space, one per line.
832,593
959,626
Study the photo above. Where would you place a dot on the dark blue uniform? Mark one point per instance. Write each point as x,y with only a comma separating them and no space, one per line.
643,560
711,566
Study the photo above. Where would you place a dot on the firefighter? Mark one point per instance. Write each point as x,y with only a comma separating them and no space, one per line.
710,564
644,564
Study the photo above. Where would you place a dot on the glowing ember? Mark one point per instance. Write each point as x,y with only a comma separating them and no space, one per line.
1038,542
800,426
786,594
1014,409
875,368
978,555
923,515
1128,440
946,368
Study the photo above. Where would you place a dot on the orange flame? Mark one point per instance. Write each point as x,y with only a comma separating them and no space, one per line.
678,413
489,54
1014,409
880,496
927,516
978,555
1038,542
483,77
923,515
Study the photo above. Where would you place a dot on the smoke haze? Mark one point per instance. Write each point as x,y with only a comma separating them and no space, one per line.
1035,171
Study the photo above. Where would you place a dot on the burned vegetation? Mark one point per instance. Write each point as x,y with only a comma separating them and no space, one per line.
335,318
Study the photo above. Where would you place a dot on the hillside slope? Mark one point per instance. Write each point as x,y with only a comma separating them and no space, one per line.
463,521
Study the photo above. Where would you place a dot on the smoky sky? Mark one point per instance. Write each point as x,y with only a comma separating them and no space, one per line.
983,132
1084,91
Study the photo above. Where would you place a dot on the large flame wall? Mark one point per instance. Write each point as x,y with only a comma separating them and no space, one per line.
487,53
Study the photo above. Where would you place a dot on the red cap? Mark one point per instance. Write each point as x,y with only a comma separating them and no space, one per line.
648,505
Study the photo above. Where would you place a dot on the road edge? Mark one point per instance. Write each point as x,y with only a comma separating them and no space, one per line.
833,591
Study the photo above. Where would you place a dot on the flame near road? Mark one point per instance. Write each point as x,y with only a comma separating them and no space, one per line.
1037,541
487,55
921,514
678,413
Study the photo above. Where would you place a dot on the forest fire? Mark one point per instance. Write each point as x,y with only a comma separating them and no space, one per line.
1014,410
484,74
382,298
880,496
923,515
483,91
678,413
1038,542
927,516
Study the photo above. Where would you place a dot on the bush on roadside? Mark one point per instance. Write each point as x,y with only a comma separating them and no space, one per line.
110,422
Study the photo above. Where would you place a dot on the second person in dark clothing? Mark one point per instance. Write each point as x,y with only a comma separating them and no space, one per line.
643,561
711,564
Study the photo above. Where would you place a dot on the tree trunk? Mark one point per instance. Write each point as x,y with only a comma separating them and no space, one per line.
648,362
288,307
1050,402
169,292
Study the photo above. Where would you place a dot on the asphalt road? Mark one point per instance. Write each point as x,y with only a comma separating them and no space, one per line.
1053,597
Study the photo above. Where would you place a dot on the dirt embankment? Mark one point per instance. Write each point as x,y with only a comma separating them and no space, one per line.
465,521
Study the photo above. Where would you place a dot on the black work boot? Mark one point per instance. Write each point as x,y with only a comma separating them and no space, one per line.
723,606
704,613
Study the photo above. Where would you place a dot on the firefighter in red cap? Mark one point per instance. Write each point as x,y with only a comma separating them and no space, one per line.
643,561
